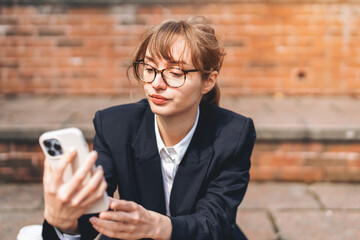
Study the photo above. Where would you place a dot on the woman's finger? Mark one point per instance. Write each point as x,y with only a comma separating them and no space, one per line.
95,196
49,185
111,228
123,205
90,187
47,171
118,216
59,170
85,168
77,179
53,177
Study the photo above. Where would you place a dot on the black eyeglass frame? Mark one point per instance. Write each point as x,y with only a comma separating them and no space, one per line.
161,72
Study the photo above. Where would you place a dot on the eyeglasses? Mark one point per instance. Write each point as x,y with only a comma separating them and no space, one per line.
173,77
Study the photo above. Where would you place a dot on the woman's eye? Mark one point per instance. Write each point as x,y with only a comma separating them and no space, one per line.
149,70
176,73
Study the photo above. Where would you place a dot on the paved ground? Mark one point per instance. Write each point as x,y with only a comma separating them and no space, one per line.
270,211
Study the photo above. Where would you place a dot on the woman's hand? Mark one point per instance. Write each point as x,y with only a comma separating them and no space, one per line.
129,220
66,202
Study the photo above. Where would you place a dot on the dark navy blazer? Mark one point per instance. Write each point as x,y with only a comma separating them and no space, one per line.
210,182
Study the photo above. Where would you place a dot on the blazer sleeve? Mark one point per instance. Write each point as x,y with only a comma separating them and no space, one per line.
215,212
105,160
104,156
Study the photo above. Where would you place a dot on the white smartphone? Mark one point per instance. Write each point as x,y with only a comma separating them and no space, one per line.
56,143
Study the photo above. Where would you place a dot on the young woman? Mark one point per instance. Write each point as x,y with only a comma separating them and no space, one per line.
180,162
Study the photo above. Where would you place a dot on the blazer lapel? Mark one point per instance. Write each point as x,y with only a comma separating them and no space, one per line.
193,168
147,166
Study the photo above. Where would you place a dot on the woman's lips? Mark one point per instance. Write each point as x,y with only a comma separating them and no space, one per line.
158,99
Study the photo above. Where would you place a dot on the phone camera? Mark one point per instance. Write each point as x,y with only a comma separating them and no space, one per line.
57,147
47,143
52,153
53,147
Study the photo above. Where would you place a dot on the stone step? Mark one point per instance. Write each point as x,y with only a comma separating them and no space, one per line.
300,138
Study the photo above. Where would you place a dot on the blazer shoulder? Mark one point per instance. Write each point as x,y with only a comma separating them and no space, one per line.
225,114
121,117
130,108
228,123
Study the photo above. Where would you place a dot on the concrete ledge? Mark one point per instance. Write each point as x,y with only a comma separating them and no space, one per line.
115,2
306,118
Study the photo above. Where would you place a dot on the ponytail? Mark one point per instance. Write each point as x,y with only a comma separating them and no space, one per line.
213,96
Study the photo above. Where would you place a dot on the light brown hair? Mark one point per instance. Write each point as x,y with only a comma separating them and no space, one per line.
207,52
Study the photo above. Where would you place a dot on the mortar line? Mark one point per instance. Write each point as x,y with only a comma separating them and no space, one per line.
274,224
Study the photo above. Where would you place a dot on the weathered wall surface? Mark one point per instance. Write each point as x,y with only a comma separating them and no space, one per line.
81,47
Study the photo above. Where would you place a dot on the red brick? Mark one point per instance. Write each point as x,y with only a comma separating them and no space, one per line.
18,10
51,31
102,20
264,173
256,9
354,160
89,31
71,20
305,174
69,42
7,171
87,11
37,63
4,147
343,173
8,21
9,63
154,10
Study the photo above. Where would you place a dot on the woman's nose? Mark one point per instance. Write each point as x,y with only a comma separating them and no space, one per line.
159,82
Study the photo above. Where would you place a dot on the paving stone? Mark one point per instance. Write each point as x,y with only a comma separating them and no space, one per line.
21,196
12,221
278,196
338,195
255,224
318,225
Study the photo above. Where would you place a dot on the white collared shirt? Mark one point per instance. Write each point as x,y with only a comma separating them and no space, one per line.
171,158
64,236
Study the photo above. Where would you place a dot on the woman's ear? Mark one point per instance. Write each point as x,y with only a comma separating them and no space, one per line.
210,82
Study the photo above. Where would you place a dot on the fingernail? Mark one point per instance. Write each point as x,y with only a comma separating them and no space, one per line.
99,167
93,220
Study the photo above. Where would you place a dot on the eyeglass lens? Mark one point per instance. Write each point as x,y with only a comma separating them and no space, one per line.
174,76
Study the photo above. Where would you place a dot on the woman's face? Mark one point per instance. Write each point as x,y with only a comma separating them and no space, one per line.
167,101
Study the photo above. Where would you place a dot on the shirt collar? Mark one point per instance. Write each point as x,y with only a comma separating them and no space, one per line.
181,147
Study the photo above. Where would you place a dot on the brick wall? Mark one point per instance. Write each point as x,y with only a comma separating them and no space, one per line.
282,161
306,161
20,161
292,47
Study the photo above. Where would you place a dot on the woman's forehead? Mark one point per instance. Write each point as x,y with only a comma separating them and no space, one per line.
178,51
